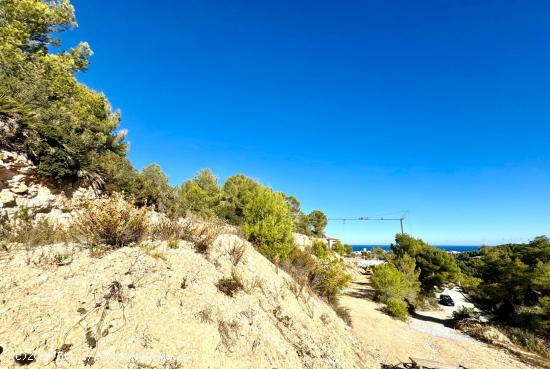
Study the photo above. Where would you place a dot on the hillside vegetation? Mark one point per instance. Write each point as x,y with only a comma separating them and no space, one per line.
512,282
412,274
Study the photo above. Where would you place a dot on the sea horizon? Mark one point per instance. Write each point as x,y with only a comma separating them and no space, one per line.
453,248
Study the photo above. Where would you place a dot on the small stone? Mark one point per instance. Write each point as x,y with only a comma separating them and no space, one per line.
7,198
20,189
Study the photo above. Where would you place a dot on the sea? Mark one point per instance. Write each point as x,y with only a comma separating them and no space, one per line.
450,248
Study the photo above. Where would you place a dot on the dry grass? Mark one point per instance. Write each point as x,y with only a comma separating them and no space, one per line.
344,314
228,332
165,228
203,233
158,255
25,230
257,282
200,232
173,243
232,285
237,252
205,315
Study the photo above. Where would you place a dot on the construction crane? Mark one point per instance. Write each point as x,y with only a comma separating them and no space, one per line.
344,220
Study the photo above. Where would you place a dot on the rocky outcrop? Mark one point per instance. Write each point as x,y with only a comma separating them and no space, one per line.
22,188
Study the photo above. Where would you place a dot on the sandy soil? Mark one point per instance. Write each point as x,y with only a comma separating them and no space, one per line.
152,307
394,341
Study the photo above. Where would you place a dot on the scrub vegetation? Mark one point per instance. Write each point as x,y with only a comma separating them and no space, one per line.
512,282
72,134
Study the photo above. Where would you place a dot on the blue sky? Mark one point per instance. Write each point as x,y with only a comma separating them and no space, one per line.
358,108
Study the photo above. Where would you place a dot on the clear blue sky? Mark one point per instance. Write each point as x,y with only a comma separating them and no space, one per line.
358,108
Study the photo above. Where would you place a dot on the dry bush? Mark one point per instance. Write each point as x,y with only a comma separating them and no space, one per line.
326,277
228,333
236,253
284,319
300,267
202,233
230,286
257,282
171,363
165,228
205,315
112,222
62,258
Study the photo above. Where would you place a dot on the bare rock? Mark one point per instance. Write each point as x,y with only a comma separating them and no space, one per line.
7,198
20,189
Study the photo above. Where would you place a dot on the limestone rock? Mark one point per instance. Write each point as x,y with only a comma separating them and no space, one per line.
6,198
20,189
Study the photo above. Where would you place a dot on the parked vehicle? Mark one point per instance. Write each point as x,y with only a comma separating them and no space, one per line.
446,300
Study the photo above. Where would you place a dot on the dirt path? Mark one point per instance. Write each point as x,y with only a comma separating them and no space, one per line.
393,341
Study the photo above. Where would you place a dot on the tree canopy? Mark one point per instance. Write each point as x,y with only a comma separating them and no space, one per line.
437,267
268,224
513,281
61,124
318,221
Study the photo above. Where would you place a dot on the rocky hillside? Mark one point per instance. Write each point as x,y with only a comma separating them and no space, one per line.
22,188
158,307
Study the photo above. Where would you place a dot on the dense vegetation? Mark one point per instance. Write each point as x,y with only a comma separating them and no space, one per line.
413,272
64,126
513,282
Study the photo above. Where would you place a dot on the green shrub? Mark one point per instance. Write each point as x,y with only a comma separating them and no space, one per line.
526,339
329,278
155,191
111,222
396,285
342,249
326,278
397,308
320,249
173,243
379,253
268,224
544,303
390,283
238,192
